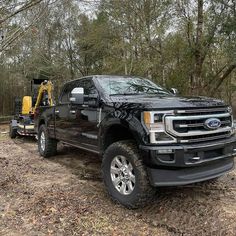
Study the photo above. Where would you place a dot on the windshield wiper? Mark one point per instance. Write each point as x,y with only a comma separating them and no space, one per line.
159,92
124,94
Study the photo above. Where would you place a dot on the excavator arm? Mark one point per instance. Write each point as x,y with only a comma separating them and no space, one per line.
46,88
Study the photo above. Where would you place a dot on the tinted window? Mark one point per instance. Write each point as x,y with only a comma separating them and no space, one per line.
87,84
89,87
66,92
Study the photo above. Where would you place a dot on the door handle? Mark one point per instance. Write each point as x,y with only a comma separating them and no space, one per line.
72,112
57,111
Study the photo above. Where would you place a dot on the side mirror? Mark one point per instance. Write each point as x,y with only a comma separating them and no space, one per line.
174,91
77,96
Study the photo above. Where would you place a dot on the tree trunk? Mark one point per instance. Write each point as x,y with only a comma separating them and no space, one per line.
197,79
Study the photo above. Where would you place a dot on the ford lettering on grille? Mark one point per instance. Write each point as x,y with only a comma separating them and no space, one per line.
212,123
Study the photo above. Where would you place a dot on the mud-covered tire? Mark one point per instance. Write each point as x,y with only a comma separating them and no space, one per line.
47,146
12,132
142,192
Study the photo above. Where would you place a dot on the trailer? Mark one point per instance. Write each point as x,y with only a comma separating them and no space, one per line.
23,121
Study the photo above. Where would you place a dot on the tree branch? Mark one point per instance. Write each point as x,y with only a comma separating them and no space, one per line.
222,77
25,7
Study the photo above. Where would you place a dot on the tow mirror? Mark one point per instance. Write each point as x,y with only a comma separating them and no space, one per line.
77,96
174,91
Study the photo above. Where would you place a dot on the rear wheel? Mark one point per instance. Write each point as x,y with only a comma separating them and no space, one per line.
47,146
125,175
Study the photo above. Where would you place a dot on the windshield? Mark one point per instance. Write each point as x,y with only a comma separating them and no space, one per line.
130,86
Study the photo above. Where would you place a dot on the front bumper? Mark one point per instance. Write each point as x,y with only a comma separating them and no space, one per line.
185,164
182,176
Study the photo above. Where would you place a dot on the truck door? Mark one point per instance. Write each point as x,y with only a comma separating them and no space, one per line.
62,112
83,119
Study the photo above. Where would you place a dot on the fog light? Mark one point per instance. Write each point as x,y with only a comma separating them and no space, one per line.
165,158
162,136
165,151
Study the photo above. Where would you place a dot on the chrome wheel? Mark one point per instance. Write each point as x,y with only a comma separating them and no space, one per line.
122,175
42,141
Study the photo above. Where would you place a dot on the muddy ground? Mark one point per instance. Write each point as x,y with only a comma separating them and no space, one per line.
64,195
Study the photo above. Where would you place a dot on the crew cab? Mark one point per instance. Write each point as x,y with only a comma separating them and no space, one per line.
146,135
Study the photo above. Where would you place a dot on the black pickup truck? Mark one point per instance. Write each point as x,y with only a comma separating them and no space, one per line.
147,136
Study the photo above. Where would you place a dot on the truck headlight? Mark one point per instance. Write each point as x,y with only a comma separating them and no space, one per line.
154,123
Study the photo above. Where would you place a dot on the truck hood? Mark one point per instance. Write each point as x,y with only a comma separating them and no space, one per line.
164,102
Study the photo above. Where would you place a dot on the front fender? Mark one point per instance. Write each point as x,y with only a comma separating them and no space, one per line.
129,120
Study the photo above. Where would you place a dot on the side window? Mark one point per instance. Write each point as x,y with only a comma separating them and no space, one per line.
65,98
87,84
89,87
66,92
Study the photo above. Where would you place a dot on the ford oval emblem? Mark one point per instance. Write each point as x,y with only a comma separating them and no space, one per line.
212,123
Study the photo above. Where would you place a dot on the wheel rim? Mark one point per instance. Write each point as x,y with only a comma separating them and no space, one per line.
122,175
42,141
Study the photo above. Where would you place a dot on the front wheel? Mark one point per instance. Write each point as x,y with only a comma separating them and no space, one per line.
125,175
47,146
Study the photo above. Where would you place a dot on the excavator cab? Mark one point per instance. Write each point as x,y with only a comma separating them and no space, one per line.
26,105
41,95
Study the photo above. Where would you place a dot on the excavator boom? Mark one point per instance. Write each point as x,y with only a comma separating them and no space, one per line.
45,89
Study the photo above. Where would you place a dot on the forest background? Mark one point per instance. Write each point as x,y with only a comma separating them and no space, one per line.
186,44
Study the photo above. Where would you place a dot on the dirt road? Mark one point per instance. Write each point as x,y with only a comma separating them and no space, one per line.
64,195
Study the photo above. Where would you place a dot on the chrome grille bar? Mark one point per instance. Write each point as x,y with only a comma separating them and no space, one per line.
200,124
206,110
206,138
198,117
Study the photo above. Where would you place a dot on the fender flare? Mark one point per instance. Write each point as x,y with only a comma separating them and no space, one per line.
130,122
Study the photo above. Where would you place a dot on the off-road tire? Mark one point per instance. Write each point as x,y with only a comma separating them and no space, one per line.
12,132
143,192
50,144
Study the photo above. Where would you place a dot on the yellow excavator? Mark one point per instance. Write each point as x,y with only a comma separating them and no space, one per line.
23,121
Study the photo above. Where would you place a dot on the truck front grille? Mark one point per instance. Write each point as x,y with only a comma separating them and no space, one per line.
184,126
188,126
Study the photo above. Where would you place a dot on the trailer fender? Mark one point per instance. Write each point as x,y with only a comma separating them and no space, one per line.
13,124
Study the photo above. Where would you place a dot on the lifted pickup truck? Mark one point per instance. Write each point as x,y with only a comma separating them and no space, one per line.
146,135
